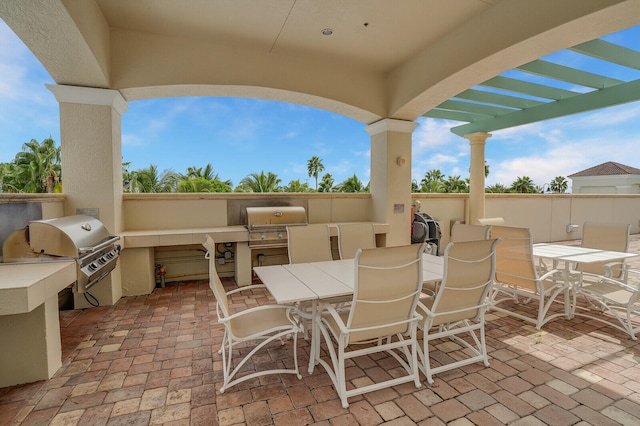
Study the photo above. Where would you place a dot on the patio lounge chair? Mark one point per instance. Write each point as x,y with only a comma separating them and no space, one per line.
381,319
263,324
354,236
517,279
457,309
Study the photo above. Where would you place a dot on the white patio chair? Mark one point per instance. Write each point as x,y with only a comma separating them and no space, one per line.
310,243
612,302
354,236
382,318
262,324
610,288
457,309
517,280
605,236
462,232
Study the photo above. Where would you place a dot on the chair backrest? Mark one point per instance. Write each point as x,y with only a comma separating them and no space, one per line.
354,236
515,264
461,232
388,283
214,280
469,269
604,236
310,243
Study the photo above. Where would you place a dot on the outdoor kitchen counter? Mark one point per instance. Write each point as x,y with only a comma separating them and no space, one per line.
29,322
220,234
139,247
180,237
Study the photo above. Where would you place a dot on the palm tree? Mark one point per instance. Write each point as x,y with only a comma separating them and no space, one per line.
37,168
260,183
433,181
523,185
455,184
297,186
201,184
351,184
314,167
197,177
559,185
326,184
496,188
150,181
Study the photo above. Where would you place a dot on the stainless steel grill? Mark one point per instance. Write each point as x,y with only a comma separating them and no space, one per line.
82,238
268,225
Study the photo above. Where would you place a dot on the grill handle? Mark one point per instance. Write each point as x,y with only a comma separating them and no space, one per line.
273,226
84,250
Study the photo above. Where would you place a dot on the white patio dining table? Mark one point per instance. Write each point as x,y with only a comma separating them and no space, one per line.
316,281
574,255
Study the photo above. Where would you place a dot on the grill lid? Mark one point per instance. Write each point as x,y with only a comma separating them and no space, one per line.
268,217
69,236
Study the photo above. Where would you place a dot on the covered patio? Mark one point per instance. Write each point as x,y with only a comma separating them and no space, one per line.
152,360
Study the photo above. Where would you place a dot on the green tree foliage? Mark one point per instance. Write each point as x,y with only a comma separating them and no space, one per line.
455,184
433,181
326,184
260,183
35,169
497,188
524,185
352,184
314,167
151,181
297,186
559,185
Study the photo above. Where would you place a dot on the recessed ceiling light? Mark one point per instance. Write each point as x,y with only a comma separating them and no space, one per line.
327,31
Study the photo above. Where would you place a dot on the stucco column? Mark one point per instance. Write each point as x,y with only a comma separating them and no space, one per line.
476,176
391,177
91,144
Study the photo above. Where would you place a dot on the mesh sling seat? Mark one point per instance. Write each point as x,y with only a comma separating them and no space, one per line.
518,280
262,324
381,318
604,236
310,243
354,236
462,232
458,308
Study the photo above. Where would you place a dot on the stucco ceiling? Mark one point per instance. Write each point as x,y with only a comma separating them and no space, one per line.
385,59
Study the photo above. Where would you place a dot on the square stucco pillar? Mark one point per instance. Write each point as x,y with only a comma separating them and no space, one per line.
391,177
91,144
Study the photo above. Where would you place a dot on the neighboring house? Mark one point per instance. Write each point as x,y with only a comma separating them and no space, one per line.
607,178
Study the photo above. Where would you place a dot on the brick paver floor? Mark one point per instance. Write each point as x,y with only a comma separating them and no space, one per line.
153,360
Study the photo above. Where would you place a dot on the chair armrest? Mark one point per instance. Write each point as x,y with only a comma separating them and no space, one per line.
323,306
256,309
548,274
617,267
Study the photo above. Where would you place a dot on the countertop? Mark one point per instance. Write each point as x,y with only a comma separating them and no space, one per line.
26,285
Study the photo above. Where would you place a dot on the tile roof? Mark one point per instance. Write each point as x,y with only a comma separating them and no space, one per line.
607,169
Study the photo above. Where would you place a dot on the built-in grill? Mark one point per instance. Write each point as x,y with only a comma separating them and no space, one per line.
82,238
268,225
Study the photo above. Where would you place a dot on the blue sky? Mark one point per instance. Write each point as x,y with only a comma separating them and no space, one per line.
243,136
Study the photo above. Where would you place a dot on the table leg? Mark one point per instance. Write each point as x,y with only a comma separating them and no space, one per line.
314,353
